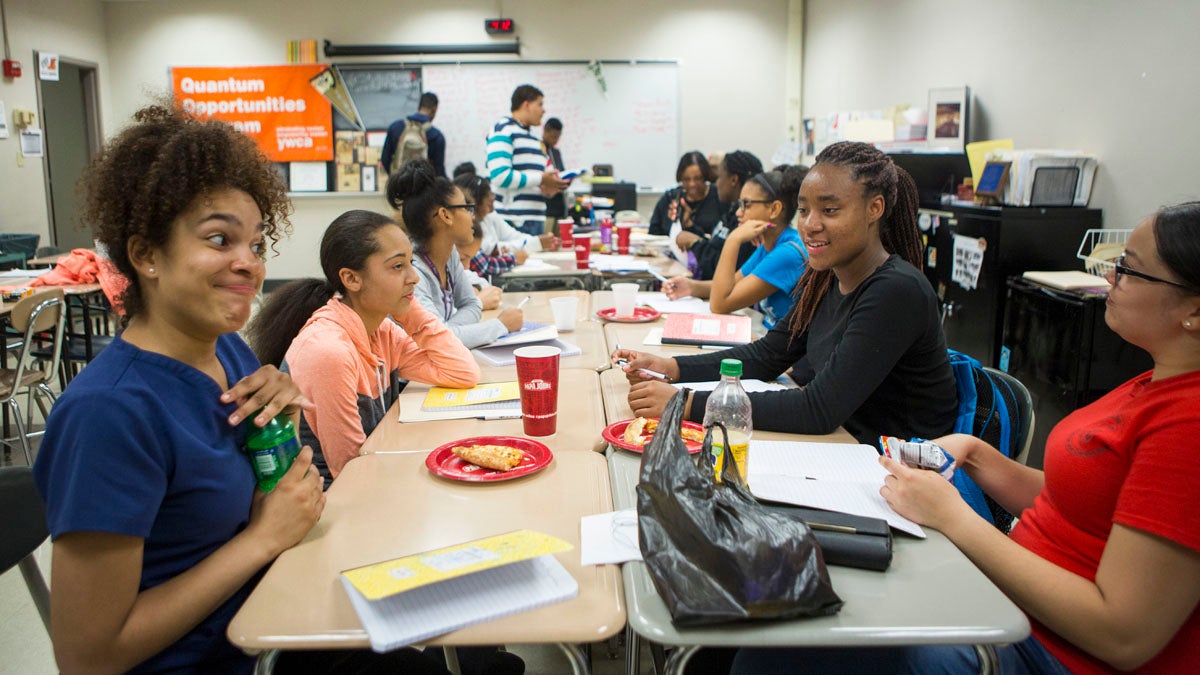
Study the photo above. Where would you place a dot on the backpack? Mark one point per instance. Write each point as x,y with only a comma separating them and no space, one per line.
987,409
412,144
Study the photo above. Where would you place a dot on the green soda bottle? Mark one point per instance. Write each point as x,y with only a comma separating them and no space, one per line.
272,449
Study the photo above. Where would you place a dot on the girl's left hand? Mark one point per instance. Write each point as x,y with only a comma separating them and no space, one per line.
649,397
750,231
922,496
265,388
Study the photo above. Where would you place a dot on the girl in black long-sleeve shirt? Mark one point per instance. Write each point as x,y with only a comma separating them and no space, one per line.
866,318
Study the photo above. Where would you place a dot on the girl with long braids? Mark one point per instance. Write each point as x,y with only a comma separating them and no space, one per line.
865,318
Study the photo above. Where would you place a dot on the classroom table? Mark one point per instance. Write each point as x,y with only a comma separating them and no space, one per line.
580,421
561,267
633,335
588,336
931,594
388,505
538,306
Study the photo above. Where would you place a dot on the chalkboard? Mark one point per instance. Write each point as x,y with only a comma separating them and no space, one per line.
634,126
382,93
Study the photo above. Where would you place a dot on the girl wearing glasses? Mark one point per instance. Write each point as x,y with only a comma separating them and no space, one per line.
865,319
334,336
438,215
1105,559
498,236
765,209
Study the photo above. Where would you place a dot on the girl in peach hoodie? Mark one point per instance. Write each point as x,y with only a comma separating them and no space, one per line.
334,338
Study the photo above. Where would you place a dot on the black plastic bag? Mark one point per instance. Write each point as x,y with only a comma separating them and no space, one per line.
714,553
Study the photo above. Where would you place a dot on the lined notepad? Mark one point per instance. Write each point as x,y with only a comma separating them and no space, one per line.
427,611
831,476
503,356
531,331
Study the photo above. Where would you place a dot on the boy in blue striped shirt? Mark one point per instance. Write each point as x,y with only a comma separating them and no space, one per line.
521,176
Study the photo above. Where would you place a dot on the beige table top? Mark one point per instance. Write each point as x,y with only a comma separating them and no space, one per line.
580,421
631,336
68,289
538,307
387,506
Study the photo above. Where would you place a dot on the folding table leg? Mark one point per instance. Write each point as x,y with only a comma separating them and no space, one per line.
579,662
633,652
679,658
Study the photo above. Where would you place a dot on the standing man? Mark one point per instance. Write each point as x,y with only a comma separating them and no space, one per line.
556,206
415,136
516,164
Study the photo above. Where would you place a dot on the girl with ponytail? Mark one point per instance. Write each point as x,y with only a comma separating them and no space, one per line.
335,338
865,319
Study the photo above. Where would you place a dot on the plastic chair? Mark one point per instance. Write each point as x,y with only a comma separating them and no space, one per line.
22,530
1025,415
39,313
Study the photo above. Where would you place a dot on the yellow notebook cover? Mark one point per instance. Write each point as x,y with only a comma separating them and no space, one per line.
390,577
493,392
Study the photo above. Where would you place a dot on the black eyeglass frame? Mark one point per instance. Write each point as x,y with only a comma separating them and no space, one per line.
744,204
470,208
1120,269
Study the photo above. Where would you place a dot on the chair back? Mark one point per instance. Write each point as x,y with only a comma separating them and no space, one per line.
22,530
39,313
1024,411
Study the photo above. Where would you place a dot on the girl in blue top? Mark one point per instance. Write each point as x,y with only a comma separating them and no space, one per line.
766,280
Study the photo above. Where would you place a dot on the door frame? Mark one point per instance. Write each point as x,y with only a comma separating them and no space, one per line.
91,115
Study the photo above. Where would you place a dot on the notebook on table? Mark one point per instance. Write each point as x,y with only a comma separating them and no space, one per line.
404,601
531,331
503,355
706,329
412,402
490,396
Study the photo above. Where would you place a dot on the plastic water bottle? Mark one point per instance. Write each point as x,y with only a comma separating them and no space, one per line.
729,406
272,449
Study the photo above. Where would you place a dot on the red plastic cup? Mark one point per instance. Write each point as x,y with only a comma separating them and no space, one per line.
537,374
623,232
565,229
583,247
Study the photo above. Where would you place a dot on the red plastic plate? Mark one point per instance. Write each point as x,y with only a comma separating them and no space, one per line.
641,314
444,463
615,434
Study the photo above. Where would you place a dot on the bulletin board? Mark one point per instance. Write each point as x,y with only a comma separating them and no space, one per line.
632,124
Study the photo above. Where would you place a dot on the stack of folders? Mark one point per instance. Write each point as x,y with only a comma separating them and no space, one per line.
480,398
500,351
404,601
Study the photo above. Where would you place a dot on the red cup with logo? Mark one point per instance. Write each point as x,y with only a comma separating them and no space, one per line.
566,227
623,232
537,375
583,248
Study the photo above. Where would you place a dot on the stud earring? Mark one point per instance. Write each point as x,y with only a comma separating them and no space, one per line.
1187,324
150,271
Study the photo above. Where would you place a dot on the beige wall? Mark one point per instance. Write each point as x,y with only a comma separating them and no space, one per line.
732,72
1110,77
71,29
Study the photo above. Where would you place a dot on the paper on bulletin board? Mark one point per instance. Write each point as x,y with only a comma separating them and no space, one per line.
31,142
968,258
977,155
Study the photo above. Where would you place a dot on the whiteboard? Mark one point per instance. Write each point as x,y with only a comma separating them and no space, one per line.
635,127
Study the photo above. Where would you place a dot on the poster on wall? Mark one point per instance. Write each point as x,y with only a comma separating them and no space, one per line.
47,67
277,106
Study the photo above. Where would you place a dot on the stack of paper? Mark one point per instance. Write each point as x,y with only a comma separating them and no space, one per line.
751,386
660,302
407,600
831,476
618,263
503,355
531,331
483,397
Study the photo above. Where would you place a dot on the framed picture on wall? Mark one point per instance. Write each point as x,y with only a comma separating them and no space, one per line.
949,114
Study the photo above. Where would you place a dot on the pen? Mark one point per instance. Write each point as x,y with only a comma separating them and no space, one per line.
523,301
500,416
658,276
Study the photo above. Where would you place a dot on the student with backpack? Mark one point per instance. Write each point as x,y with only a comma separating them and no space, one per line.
765,210
415,137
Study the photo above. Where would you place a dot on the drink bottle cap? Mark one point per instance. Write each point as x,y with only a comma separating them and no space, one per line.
731,368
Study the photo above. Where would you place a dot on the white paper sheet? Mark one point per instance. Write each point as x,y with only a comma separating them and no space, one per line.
412,616
968,259
660,302
618,263
832,476
609,538
751,386
308,176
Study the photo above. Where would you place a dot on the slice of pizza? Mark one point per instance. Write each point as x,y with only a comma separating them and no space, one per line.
498,457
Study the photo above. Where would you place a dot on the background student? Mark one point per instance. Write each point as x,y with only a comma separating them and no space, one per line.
556,204
765,210
693,203
517,164
1105,559
733,171
437,215
159,533
334,338
422,120
498,236
866,318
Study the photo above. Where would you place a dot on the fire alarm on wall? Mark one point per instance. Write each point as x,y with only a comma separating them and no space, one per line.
12,68
499,26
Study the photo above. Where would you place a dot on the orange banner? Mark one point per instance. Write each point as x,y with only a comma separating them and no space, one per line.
275,105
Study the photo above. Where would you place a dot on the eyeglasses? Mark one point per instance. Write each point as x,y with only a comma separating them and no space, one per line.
469,208
1121,270
744,204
